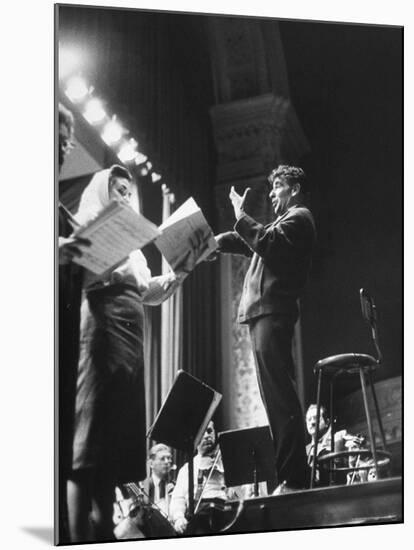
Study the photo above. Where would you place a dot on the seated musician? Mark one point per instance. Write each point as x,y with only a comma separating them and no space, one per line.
155,489
343,441
158,485
208,479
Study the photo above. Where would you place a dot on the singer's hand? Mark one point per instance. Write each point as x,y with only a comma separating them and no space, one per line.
70,248
238,201
216,253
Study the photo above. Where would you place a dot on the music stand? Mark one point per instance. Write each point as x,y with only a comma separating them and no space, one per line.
183,419
248,456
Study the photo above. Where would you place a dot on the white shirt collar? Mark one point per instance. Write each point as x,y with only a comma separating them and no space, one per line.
155,479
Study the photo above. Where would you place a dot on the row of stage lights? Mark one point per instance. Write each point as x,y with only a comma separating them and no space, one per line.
112,132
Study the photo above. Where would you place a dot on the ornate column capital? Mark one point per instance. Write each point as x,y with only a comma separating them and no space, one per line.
253,135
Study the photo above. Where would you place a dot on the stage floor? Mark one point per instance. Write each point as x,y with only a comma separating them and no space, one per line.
364,503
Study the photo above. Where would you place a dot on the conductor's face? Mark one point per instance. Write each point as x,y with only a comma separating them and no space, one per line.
281,194
208,441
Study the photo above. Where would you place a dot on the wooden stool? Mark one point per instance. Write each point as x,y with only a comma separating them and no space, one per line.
352,364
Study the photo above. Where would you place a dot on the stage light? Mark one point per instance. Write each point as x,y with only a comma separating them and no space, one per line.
144,171
140,159
113,132
128,151
94,111
76,89
155,177
69,61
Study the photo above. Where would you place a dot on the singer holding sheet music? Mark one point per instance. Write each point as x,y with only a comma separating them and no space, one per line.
109,437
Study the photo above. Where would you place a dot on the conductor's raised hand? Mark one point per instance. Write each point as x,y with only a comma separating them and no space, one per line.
238,201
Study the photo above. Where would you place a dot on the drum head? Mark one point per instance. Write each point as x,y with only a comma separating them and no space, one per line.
156,524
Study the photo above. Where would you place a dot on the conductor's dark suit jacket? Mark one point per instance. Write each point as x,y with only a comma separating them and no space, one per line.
281,258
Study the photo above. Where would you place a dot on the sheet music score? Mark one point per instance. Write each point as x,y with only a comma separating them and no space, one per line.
185,231
114,234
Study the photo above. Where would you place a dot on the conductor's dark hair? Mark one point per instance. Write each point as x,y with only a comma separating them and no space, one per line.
66,118
292,174
117,171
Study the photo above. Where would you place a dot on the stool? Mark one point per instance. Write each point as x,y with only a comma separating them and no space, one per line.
351,364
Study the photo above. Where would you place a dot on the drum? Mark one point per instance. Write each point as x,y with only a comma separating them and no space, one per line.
156,525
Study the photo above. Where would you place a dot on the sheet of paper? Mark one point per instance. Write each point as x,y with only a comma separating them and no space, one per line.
188,208
185,233
114,234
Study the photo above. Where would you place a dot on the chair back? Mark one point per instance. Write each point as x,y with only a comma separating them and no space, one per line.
369,313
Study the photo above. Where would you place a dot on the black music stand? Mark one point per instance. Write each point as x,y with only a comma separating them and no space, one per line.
183,419
248,456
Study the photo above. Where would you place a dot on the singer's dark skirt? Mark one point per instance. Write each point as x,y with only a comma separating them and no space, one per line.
110,395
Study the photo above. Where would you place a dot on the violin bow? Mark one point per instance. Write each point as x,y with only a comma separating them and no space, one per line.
207,480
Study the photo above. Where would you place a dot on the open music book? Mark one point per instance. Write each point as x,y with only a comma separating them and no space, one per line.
185,232
118,230
114,233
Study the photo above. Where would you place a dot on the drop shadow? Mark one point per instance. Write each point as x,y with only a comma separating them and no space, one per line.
43,533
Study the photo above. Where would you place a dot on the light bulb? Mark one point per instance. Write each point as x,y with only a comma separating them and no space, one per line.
112,132
76,89
94,111
140,159
128,151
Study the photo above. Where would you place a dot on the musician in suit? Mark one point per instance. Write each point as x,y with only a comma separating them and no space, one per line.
280,255
208,479
158,486
155,489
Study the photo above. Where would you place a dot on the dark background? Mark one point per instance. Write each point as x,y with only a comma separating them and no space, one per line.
346,85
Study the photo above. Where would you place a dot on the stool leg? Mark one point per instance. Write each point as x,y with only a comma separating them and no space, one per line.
368,417
331,416
318,414
379,420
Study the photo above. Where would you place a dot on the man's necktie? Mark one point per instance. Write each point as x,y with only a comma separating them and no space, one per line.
161,489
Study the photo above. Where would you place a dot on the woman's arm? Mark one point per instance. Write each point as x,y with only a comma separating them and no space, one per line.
162,287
